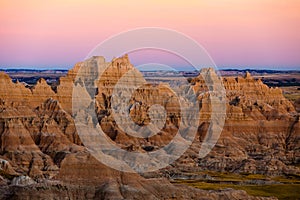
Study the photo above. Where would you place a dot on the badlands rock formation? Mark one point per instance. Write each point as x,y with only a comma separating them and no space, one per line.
261,133
42,156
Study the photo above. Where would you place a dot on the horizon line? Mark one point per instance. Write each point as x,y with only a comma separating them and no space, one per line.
179,69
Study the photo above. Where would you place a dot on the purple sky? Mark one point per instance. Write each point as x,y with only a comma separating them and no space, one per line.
237,34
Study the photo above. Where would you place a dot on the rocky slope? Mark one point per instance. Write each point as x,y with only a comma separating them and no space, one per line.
261,133
42,156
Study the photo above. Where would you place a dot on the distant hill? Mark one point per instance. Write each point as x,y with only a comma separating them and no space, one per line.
273,78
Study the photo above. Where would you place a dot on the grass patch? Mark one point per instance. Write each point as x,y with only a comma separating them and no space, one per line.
289,189
281,191
293,179
227,176
255,177
292,97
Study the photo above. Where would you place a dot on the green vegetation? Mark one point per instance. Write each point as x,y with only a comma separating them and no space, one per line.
287,180
291,93
292,97
281,191
227,176
288,187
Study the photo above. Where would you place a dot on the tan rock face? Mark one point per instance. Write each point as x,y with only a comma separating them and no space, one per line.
260,128
259,135
38,136
13,93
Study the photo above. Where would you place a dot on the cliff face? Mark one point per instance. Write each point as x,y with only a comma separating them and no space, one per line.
38,136
261,133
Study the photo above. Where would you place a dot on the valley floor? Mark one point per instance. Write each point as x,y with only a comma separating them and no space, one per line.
281,187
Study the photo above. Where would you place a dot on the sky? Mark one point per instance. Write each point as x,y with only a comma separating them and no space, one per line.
236,33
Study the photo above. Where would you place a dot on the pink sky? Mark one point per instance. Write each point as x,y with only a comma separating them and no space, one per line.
236,33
